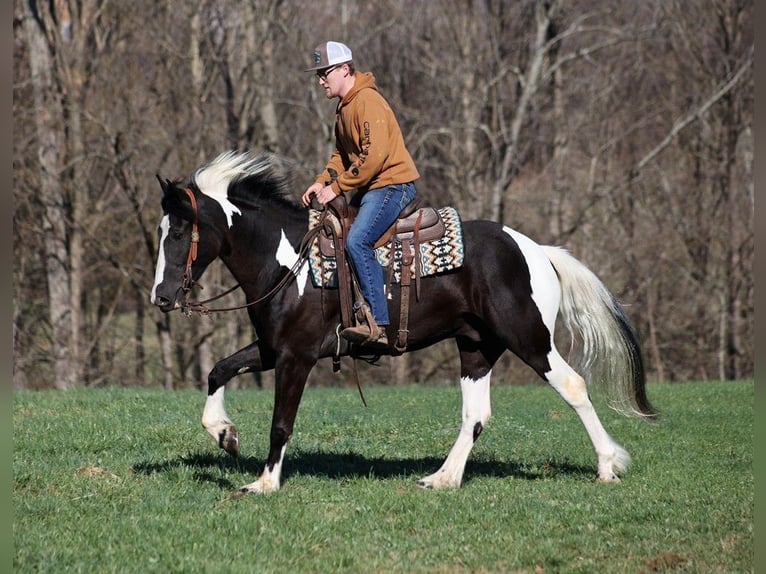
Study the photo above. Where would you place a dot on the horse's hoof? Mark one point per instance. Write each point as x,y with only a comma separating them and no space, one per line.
228,440
611,479
438,481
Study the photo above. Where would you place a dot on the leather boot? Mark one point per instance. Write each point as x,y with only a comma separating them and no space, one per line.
362,336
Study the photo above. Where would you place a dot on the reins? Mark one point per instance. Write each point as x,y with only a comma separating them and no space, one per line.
187,308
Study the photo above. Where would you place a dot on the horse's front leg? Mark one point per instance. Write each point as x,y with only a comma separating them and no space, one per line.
291,374
215,420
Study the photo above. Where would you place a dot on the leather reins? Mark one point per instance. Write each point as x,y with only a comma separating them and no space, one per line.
188,283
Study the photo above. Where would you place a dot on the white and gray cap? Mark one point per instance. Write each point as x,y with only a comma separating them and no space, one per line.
329,54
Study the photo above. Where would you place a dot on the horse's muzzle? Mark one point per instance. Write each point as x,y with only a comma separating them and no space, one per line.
166,304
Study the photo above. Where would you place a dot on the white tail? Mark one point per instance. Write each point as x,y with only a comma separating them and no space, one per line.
610,355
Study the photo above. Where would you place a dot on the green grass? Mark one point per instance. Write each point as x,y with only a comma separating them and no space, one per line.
125,480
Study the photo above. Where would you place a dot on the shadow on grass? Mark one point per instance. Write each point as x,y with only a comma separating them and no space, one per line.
351,465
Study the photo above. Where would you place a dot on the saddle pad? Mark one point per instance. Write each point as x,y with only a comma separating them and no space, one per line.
436,256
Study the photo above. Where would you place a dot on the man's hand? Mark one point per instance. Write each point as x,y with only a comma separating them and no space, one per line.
324,194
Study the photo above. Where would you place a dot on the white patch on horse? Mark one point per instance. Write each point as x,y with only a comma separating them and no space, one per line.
476,404
269,480
215,420
287,256
546,292
159,272
215,411
475,414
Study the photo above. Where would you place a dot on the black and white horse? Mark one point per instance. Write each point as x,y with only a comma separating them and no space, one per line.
507,296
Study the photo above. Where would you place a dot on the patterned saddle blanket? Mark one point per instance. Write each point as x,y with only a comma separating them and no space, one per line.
440,250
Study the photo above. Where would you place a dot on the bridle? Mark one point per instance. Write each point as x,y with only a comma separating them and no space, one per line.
187,284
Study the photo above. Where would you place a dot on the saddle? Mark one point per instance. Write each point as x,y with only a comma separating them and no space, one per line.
413,226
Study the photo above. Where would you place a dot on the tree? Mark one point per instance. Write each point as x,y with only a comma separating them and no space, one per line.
51,135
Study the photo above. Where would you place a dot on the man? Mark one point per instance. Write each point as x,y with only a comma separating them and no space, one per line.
370,157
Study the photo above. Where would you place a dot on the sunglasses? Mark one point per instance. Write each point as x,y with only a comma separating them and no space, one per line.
322,74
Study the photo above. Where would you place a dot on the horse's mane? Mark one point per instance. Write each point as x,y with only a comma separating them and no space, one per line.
244,178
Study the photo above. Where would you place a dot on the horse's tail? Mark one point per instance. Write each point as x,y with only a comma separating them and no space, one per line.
610,354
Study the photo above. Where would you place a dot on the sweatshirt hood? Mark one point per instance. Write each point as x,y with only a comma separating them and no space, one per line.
362,81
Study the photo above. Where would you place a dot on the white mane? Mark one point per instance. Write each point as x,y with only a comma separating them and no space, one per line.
214,178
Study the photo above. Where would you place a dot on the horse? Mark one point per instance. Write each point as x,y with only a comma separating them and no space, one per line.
507,296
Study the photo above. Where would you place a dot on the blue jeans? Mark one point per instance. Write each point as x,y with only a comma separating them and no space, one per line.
378,209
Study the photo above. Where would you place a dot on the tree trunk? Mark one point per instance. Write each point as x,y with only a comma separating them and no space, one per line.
263,49
654,347
544,11
50,135
76,52
138,339
559,190
400,370
732,277
167,350
19,353
204,353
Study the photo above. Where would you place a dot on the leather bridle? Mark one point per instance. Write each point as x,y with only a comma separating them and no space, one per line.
188,282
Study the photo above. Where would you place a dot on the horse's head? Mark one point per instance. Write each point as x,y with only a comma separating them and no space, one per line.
198,219
190,238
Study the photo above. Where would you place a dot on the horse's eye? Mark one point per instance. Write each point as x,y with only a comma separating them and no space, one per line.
176,234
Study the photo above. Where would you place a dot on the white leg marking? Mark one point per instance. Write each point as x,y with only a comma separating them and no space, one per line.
612,458
287,256
214,417
269,481
476,413
159,272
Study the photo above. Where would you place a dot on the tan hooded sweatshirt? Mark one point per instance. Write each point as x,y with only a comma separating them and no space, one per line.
369,147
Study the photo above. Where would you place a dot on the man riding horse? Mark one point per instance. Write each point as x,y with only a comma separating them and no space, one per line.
371,158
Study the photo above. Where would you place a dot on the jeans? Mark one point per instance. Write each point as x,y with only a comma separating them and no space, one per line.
378,209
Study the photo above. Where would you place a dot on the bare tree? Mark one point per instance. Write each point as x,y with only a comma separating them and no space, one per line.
50,143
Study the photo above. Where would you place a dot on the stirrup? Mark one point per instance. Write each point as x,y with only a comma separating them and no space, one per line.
364,336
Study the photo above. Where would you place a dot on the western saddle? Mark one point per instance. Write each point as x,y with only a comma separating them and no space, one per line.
413,226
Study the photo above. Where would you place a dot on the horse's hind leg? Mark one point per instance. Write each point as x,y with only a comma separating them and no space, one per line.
475,371
612,458
215,420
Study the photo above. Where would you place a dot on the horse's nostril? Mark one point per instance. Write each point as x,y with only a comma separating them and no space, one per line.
162,302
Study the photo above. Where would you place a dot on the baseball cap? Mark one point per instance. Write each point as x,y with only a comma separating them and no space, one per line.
330,54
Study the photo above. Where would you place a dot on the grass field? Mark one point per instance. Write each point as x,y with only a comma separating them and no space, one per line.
124,480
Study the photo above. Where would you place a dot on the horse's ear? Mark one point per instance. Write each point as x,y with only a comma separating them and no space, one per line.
163,184
174,199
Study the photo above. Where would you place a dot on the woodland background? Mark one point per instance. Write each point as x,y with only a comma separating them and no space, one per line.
620,130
